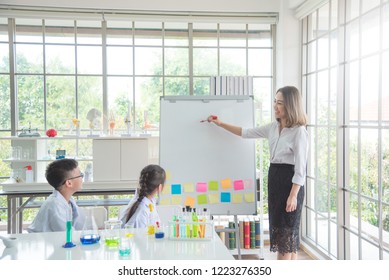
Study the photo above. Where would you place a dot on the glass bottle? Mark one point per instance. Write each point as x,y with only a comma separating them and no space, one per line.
90,233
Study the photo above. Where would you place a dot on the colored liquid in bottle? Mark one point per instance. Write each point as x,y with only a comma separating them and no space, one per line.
150,229
90,239
69,231
124,252
112,241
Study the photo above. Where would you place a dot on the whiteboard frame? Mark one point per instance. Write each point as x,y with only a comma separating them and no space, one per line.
249,149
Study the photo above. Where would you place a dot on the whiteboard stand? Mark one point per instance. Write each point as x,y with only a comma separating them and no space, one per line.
237,235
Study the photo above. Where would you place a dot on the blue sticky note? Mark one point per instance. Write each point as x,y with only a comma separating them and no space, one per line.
176,188
225,197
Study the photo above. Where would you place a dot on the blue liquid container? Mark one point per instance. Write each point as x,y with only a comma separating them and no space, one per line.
124,252
90,239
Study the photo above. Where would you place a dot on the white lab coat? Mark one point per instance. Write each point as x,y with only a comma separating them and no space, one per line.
142,217
52,216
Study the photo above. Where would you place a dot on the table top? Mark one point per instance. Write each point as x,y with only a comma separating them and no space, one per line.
48,246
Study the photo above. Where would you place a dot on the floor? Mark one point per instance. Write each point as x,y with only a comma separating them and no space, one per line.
267,255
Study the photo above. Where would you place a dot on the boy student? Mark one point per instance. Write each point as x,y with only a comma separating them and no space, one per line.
65,177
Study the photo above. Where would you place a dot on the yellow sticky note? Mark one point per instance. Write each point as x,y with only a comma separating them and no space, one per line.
168,175
226,183
176,200
249,197
189,201
213,198
188,187
166,189
164,201
237,198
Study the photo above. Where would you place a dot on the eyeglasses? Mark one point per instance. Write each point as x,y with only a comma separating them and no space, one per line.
71,178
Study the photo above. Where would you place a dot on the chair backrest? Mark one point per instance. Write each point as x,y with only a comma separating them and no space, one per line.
166,212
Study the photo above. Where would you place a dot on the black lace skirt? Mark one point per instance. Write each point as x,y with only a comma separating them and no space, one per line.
284,227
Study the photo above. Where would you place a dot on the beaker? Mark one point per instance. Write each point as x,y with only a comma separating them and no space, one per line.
90,233
112,232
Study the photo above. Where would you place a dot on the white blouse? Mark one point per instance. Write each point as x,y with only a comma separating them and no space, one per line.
290,146
143,216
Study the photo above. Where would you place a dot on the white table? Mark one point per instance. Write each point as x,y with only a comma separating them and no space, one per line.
43,246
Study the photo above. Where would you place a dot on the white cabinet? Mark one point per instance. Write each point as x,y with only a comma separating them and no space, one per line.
122,159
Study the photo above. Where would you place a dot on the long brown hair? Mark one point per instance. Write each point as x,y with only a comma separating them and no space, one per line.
295,115
151,177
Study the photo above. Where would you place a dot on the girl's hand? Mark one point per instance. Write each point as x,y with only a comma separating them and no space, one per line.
291,204
214,119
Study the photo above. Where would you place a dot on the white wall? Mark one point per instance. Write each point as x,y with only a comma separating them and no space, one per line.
288,32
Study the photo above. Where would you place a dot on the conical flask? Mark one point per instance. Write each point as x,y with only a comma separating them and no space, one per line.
90,232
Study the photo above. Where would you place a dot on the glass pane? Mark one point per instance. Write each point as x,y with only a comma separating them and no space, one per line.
232,35
333,236
354,246
61,101
28,30
352,40
385,87
259,35
233,62
260,62
201,86
385,165
322,97
60,59
205,62
120,100
5,103
334,14
334,48
385,226
352,166
369,4
312,26
322,154
352,9
147,95
333,97
333,160
322,233
385,19
176,86
369,251
176,62
176,34
90,95
352,91
59,31
89,32
324,18
148,61
323,51
119,60
369,220
312,56
370,89
148,33
263,98
205,34
311,93
30,101
3,30
29,58
370,32
311,229
119,33
4,58
311,168
89,60
369,162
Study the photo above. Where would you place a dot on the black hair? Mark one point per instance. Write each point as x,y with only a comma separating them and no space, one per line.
59,170
151,177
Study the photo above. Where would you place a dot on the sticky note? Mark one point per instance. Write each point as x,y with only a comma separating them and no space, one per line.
176,200
248,184
189,201
213,185
164,201
226,183
238,185
225,197
201,187
168,175
176,188
202,199
188,187
213,198
249,197
166,189
237,198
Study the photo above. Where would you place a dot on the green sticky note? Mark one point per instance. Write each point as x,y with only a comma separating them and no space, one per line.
202,199
213,186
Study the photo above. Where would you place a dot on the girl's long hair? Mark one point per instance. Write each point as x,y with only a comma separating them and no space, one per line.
151,177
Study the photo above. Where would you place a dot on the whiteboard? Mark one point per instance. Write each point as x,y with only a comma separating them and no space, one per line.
207,166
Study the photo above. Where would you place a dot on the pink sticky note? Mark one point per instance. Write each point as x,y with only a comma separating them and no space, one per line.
238,185
201,187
